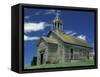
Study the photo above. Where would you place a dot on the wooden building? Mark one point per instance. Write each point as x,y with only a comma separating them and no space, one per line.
59,47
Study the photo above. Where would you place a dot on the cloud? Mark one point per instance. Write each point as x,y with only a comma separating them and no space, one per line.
27,38
73,34
83,37
47,12
29,27
52,12
35,14
68,32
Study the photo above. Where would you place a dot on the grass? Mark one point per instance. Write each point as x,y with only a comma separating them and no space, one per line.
67,64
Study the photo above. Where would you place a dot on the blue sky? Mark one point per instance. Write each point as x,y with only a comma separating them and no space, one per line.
38,22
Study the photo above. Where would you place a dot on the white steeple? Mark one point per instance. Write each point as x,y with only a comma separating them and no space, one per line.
57,23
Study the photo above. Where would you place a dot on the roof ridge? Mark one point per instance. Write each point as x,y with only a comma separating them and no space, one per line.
72,39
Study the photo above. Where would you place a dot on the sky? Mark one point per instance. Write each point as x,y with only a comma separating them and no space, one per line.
38,22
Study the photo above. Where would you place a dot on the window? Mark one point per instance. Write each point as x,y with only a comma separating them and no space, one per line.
71,50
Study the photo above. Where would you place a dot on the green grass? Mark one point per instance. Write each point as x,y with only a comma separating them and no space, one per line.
67,64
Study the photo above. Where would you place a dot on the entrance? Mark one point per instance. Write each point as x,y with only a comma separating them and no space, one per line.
41,61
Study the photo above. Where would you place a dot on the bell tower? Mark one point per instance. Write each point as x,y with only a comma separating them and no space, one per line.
57,23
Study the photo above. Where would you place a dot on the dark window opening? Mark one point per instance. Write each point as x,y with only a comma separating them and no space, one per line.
71,53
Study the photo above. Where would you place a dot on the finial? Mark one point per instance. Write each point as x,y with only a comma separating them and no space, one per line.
57,18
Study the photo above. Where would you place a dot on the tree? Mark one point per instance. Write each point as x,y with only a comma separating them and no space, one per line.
34,61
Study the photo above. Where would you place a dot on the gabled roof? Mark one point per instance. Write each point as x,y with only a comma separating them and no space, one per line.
70,39
49,40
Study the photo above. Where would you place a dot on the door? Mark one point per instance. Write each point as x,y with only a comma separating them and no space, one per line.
41,61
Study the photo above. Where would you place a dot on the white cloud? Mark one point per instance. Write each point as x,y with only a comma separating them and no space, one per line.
52,11
47,12
68,32
27,38
35,14
83,37
73,34
29,27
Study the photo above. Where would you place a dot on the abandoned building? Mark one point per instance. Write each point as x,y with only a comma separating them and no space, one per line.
59,47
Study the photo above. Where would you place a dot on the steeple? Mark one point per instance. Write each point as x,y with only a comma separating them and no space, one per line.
57,23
